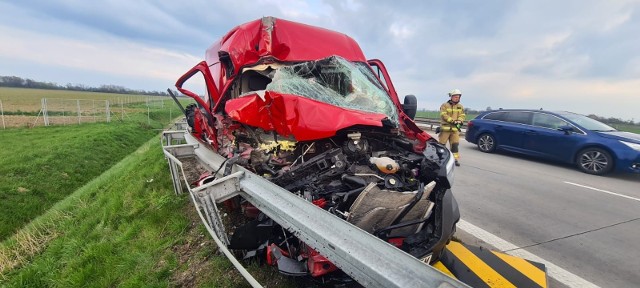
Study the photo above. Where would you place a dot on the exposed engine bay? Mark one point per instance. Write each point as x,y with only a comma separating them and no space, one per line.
368,176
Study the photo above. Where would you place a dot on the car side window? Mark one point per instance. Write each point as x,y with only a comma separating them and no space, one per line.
499,116
548,121
518,117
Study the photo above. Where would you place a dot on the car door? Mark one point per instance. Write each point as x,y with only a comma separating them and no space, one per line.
543,138
198,84
510,132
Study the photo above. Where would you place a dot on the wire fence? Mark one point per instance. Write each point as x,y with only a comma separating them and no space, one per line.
61,111
72,111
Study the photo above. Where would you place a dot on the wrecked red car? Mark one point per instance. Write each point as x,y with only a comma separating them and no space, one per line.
302,107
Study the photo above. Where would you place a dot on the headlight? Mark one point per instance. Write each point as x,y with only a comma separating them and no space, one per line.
438,159
633,146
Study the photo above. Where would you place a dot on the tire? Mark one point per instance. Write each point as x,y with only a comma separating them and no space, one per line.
487,143
190,115
594,161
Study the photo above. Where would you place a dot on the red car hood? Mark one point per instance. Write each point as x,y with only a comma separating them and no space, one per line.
306,119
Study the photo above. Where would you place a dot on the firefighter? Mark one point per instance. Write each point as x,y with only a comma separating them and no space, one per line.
451,119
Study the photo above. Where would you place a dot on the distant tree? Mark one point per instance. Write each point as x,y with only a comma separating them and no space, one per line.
11,81
488,108
471,111
14,81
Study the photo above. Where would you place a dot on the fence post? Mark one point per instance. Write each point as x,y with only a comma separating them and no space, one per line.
2,113
78,104
45,112
106,103
64,118
94,111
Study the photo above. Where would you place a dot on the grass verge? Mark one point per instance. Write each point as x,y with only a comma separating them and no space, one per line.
41,166
125,228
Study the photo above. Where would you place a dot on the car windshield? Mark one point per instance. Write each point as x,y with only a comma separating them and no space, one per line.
587,123
335,81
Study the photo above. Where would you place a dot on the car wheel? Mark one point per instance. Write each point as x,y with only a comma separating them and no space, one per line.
487,143
594,161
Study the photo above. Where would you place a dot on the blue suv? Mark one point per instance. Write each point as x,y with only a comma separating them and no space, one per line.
594,147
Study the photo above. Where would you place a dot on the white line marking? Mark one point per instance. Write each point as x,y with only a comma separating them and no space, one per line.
603,191
553,271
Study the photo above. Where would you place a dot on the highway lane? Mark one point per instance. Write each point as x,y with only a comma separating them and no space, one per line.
588,225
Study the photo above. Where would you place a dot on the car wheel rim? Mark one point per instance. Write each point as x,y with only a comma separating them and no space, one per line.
486,143
593,161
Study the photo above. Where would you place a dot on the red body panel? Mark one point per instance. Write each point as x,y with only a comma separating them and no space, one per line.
317,264
305,119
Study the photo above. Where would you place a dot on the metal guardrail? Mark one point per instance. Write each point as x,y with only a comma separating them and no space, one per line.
369,260
431,124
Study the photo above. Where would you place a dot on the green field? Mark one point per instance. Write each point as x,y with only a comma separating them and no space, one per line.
28,100
627,127
23,107
92,205
42,165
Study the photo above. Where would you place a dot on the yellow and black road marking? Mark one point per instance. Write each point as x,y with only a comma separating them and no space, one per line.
478,267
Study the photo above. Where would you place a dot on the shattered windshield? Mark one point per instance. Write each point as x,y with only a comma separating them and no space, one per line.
335,81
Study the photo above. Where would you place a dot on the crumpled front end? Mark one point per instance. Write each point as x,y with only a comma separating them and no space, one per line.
328,131
368,176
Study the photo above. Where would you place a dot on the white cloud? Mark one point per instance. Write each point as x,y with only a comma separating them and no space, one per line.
616,21
555,39
111,55
298,10
401,31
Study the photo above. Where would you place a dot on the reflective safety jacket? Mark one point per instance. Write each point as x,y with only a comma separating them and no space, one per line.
450,112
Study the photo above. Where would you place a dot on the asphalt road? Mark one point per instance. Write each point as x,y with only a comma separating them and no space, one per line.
587,225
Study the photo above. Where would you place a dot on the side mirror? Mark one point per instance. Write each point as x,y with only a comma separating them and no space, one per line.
566,129
410,106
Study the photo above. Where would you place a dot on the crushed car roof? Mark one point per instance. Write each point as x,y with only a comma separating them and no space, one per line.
284,41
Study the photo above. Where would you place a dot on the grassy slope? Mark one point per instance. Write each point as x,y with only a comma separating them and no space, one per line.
97,233
120,229
40,166
126,228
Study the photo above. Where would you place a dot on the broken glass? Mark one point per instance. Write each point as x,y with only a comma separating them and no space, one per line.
335,81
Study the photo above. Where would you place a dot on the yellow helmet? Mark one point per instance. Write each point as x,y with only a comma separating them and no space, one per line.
455,92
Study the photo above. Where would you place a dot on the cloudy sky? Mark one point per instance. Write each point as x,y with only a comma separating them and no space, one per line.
581,56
